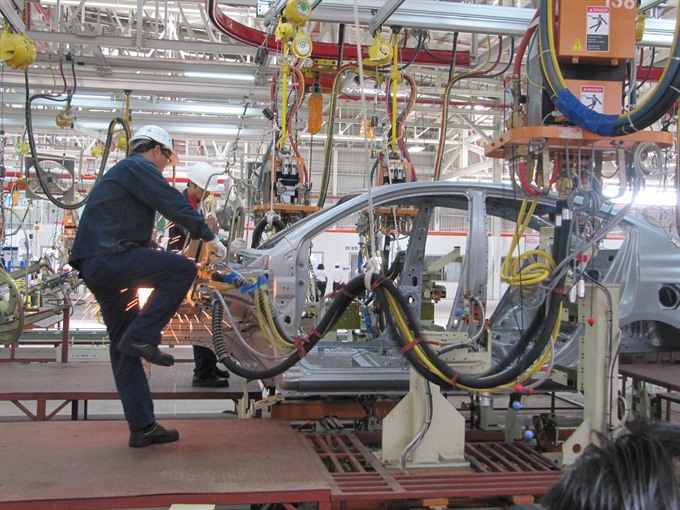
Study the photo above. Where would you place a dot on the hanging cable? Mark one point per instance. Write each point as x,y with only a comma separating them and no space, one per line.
40,172
445,104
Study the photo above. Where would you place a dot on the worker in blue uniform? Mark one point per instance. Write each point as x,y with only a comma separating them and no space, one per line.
115,254
202,182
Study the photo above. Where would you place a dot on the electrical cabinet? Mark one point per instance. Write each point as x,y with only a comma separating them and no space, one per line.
596,31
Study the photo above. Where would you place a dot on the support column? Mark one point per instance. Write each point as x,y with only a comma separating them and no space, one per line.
444,442
598,369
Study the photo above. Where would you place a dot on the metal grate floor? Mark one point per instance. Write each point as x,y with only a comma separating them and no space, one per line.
498,470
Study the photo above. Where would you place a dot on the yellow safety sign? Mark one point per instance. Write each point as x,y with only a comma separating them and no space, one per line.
577,46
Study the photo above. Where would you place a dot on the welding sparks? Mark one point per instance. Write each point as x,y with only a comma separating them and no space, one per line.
143,296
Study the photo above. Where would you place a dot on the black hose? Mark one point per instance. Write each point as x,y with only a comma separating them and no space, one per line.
259,229
394,271
539,332
500,375
456,378
335,310
40,173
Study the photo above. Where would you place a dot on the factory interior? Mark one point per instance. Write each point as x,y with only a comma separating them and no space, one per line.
433,262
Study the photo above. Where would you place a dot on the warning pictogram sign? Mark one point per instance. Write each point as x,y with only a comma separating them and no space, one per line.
592,96
597,29
577,46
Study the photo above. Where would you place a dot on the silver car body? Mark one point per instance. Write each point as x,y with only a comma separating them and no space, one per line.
646,266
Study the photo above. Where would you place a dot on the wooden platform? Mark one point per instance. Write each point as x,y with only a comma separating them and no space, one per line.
71,383
665,375
88,465
662,374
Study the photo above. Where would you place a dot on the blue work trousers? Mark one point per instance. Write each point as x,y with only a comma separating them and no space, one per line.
114,280
205,361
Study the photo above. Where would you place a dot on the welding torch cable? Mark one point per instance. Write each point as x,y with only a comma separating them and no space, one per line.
237,332
495,379
539,331
300,91
267,323
425,361
397,318
419,363
264,327
531,274
412,351
335,310
526,186
64,95
274,327
406,333
393,83
548,355
390,101
225,357
102,167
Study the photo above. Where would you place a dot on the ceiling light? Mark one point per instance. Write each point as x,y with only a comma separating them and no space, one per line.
417,148
220,76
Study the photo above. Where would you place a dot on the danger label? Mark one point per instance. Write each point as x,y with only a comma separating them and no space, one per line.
597,28
592,96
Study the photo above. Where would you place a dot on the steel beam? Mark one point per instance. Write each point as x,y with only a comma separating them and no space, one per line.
274,12
228,48
460,17
383,14
8,11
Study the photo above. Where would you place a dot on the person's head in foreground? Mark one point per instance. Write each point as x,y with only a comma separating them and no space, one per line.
637,470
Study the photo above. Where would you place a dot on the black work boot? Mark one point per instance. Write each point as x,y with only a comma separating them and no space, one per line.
154,434
210,382
150,352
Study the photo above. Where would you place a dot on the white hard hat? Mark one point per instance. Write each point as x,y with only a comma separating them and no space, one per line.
204,175
157,134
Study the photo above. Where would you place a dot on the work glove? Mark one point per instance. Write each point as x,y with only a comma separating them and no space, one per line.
237,245
218,252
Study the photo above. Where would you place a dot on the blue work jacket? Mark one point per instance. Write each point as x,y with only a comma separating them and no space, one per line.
120,213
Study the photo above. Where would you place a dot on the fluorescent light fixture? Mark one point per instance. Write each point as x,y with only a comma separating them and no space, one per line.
417,148
205,130
107,97
381,92
215,109
220,76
